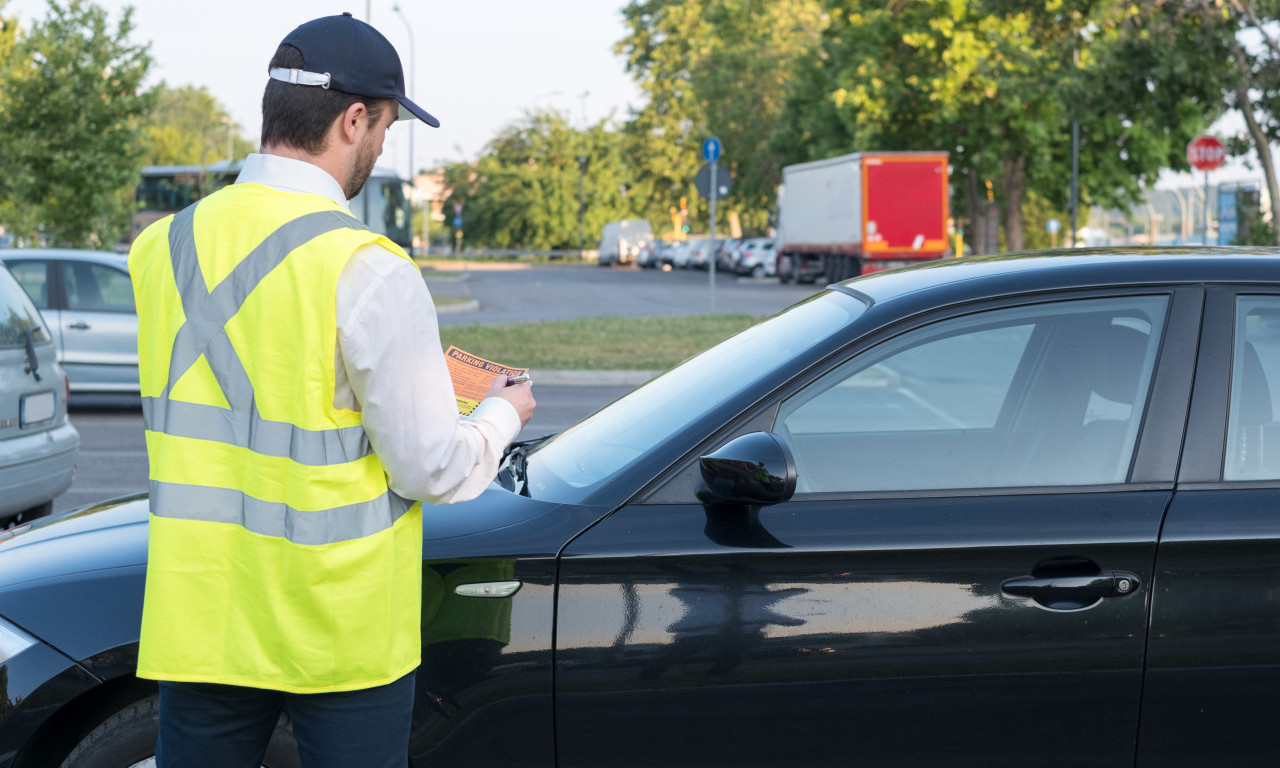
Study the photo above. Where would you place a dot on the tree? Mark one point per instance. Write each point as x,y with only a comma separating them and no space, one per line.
711,67
1251,83
998,83
8,38
72,115
526,187
190,127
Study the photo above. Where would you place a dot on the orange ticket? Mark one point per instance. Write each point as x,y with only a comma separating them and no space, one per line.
472,376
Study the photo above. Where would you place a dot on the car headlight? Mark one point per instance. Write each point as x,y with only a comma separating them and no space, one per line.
13,641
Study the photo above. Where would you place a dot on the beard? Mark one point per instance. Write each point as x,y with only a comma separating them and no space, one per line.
360,169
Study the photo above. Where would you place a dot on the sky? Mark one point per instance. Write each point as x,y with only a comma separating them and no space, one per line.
477,65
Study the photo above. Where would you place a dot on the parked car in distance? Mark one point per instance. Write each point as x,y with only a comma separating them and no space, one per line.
1010,511
651,253
702,252
87,300
683,253
727,253
757,258
658,255
38,445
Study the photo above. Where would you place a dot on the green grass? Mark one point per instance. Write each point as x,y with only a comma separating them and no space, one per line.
431,273
597,343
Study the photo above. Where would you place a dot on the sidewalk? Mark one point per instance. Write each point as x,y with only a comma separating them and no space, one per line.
592,378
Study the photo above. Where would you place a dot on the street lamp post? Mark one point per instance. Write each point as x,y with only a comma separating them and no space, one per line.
1183,221
226,120
582,175
412,68
1194,191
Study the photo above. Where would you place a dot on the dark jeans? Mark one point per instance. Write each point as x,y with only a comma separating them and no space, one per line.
224,726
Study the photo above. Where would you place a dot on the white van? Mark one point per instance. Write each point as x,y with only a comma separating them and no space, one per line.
621,241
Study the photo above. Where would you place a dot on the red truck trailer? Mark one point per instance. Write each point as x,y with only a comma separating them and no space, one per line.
841,217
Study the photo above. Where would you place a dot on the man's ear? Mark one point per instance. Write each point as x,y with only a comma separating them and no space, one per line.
350,121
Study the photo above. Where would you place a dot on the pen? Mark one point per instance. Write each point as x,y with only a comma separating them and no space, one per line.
522,378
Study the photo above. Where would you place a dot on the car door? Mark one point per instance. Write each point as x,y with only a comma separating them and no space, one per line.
961,578
1214,657
99,326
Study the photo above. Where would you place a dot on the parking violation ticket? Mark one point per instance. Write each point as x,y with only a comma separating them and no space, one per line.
472,376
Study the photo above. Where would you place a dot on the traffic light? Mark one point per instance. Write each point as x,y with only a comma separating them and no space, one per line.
684,215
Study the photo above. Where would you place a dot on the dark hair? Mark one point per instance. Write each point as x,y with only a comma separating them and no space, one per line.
299,116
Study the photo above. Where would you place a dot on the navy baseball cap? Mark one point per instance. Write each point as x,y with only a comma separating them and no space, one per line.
348,55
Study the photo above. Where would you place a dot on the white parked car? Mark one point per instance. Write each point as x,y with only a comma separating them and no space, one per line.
38,444
682,254
87,300
757,258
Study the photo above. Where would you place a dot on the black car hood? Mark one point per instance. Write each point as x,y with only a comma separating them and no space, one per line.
75,580
111,534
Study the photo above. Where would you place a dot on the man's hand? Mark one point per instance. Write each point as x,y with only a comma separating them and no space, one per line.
519,395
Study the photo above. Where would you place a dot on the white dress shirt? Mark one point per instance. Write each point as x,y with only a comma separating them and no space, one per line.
390,365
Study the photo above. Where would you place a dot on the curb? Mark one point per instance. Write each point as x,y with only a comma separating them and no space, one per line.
454,309
570,378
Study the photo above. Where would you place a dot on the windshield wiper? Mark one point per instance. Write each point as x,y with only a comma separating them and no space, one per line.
515,464
32,362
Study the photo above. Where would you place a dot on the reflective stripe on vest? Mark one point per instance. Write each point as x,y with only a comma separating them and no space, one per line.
227,505
204,334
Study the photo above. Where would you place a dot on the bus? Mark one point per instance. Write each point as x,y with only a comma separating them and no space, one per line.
384,204
166,189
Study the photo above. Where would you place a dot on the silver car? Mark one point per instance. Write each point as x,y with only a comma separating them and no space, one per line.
87,300
38,445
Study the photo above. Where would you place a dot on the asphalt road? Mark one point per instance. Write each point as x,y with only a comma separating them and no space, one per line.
566,292
113,460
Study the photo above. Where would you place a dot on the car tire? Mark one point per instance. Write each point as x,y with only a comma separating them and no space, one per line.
757,270
127,739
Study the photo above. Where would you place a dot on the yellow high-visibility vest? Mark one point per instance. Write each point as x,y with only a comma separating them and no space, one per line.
278,557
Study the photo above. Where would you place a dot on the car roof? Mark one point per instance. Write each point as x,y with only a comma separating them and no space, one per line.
102,257
1078,268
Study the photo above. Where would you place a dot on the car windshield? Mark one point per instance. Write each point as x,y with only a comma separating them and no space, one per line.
576,462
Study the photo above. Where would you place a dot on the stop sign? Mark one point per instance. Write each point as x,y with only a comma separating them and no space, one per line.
1205,153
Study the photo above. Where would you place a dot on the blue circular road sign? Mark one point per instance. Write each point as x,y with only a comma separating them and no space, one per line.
711,149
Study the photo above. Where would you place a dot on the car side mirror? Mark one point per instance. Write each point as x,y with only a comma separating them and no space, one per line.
754,469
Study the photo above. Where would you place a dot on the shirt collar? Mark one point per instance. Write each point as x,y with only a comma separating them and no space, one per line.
289,175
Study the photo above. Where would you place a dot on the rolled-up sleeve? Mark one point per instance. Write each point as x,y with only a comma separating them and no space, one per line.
389,348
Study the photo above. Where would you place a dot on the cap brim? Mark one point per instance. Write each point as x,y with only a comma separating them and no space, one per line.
410,110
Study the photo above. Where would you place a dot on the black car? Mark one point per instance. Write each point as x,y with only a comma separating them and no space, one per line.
1018,511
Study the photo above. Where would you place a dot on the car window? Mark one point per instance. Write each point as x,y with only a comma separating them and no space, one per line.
587,454
33,276
1255,374
18,314
97,287
1042,395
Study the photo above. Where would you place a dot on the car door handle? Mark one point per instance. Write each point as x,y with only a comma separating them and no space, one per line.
1072,592
79,326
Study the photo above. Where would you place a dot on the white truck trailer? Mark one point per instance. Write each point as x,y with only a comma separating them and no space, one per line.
621,241
843,216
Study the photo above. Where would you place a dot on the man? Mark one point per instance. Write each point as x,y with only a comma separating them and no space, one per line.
298,411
